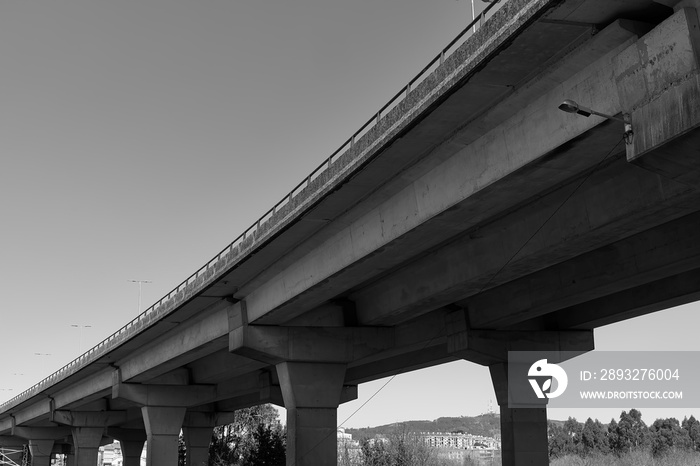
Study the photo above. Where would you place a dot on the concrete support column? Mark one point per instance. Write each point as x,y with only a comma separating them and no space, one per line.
312,393
131,452
523,430
197,441
41,451
70,458
86,442
131,442
163,426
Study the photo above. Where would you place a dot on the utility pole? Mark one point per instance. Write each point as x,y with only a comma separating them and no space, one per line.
140,282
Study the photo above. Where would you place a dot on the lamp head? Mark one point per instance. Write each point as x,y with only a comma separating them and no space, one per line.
569,106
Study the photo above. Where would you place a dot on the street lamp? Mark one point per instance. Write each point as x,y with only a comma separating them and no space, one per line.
80,339
140,282
570,106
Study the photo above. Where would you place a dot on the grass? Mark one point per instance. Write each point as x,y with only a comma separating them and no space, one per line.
634,458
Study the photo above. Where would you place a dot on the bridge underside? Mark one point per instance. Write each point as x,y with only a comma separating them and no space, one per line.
489,221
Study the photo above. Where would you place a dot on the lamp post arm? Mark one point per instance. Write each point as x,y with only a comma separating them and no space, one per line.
624,119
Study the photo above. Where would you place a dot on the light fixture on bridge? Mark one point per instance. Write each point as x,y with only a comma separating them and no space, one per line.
569,106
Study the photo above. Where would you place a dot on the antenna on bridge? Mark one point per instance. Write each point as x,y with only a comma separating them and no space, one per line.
140,282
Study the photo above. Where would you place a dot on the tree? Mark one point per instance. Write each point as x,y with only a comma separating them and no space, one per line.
692,427
558,440
666,434
593,437
375,452
231,443
268,448
613,436
401,448
631,432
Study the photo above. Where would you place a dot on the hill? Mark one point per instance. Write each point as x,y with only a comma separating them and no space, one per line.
486,425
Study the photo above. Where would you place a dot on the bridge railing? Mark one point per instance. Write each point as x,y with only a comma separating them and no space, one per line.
156,309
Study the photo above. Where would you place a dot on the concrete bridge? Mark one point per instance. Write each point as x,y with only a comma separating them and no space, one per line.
468,218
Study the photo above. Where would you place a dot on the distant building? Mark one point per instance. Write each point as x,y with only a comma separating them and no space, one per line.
349,450
460,441
458,447
111,455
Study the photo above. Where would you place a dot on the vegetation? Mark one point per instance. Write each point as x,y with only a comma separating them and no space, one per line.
628,441
254,438
486,425
400,446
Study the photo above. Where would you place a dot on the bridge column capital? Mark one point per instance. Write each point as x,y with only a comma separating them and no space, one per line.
162,395
322,344
312,393
274,345
488,347
88,418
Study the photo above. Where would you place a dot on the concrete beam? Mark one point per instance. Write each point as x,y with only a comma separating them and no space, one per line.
38,410
633,302
274,345
41,433
190,341
89,418
85,390
165,395
616,198
643,258
11,440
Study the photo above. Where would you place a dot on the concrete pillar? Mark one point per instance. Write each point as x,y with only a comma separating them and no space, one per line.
40,450
131,442
67,450
163,426
312,393
197,441
131,452
70,458
86,442
523,430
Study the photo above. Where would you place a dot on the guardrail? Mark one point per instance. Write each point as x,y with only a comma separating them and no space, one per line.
158,308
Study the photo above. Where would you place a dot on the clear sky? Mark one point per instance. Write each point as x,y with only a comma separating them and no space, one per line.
140,137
